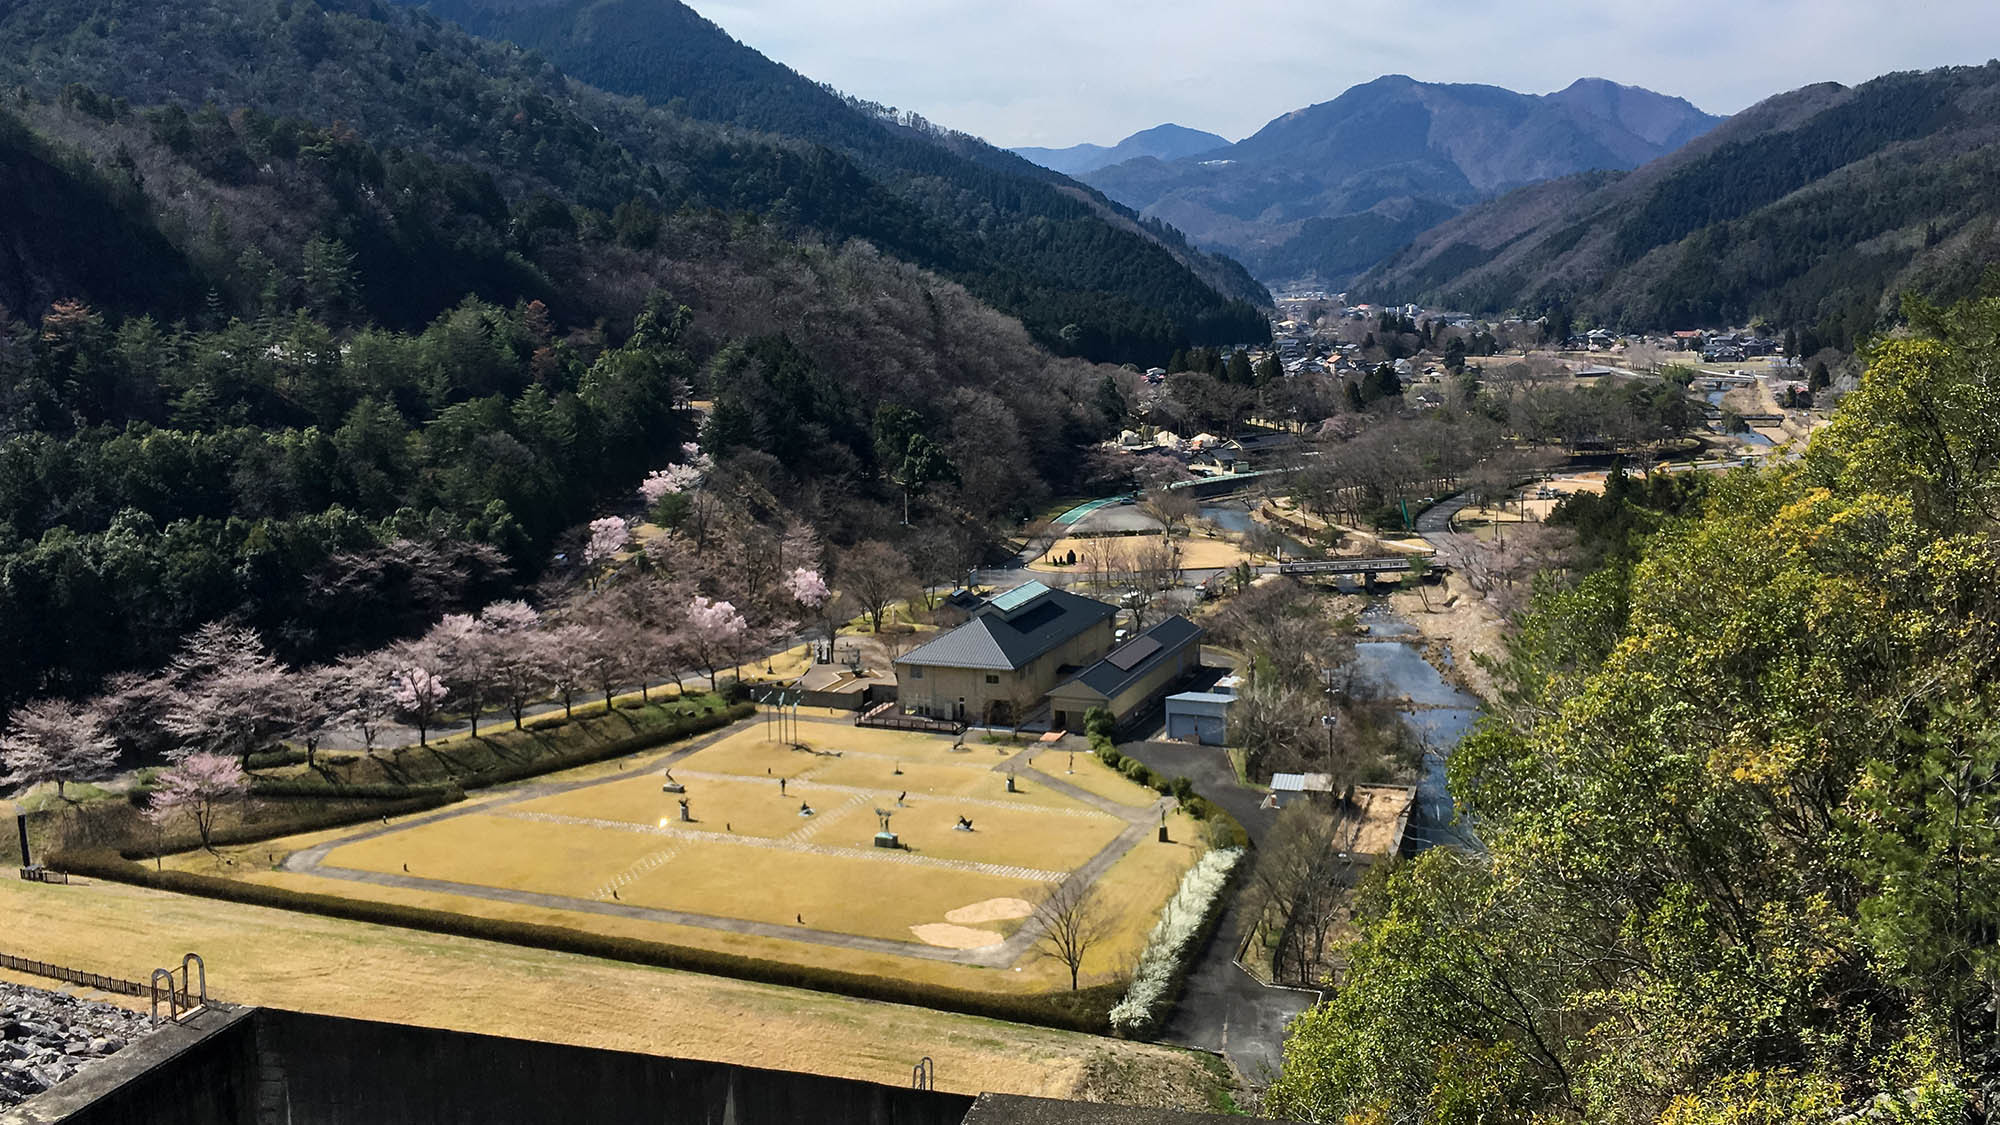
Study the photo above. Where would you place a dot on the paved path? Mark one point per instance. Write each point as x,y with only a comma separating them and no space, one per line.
1138,827
1222,1008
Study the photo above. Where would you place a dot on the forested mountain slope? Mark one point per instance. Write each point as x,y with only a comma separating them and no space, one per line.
1033,243
328,321
1324,192
1814,209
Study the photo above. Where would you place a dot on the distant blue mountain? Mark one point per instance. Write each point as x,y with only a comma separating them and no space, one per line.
1163,142
1323,193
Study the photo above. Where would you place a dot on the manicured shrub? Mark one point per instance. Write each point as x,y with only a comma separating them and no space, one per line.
275,757
1098,722
1184,922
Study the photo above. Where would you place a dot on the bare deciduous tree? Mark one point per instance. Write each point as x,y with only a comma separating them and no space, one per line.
874,574
1072,919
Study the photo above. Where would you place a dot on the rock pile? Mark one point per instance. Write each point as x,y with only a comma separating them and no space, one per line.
46,1037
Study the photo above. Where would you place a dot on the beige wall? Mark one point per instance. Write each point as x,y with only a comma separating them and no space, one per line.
937,693
1075,699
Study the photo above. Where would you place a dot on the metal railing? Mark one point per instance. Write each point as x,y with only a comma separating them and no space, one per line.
181,1000
886,717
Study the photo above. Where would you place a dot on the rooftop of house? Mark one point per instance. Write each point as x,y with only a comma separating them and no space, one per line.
1137,658
1012,629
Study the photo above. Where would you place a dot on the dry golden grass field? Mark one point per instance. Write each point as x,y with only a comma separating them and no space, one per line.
257,955
603,849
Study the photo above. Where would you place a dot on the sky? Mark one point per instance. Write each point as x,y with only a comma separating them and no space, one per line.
1058,72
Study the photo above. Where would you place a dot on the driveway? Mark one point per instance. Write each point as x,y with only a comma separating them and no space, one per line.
1222,1008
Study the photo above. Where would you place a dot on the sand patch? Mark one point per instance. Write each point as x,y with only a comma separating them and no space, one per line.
992,910
955,937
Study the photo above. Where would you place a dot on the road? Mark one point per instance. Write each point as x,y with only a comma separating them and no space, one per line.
1222,1008
1434,522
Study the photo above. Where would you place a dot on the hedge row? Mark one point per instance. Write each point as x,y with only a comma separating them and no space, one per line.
1085,1010
316,788
631,744
307,820
1225,830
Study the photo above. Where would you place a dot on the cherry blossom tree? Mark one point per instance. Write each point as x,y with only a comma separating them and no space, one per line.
196,789
655,607
568,662
608,536
684,481
714,632
223,683
674,480
304,707
807,587
611,657
358,695
827,606
468,658
415,675
522,674
55,740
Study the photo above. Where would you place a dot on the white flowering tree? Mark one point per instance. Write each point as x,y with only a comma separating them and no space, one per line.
827,606
714,632
54,740
1172,941
467,656
673,496
607,537
358,695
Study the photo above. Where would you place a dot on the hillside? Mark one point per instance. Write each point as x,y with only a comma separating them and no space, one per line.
1322,193
1033,243
359,334
1814,209
1162,142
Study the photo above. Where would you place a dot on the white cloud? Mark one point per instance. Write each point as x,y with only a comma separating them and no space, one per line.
1056,72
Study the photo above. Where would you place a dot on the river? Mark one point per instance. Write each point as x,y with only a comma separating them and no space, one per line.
1437,712
1236,519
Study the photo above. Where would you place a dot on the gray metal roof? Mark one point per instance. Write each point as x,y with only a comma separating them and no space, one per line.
1135,659
1011,639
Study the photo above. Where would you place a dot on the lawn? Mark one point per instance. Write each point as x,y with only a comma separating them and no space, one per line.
257,955
748,871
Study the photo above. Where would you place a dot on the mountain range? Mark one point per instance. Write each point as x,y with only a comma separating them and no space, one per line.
1120,287
1322,193
1817,209
1162,142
